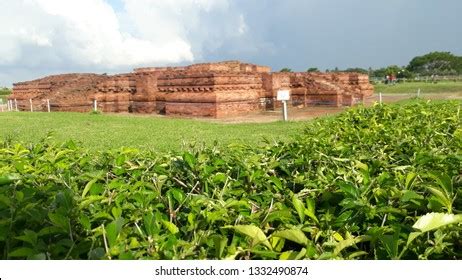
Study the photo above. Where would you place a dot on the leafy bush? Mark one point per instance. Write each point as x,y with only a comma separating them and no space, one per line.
373,183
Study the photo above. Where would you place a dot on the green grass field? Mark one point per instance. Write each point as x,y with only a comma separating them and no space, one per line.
440,87
113,131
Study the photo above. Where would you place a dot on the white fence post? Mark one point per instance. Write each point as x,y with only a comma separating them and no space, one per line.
9,105
1,104
418,92
48,105
95,105
31,107
380,97
284,110
16,105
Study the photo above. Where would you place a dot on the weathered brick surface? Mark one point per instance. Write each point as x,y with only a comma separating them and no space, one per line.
204,90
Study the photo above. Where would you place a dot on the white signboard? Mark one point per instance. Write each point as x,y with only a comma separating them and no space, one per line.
283,95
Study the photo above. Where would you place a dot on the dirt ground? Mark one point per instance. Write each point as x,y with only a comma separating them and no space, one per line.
307,113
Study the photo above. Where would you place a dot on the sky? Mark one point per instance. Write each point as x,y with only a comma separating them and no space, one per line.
43,37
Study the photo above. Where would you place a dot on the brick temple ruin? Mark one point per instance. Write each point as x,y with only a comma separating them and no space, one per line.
200,90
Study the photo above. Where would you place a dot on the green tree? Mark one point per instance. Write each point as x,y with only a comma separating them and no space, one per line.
288,70
312,69
440,63
389,70
5,91
357,70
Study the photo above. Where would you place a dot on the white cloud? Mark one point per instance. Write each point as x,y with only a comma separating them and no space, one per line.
204,24
68,34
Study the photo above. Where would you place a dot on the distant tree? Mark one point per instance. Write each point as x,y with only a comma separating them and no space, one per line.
312,69
381,72
405,74
286,70
393,70
370,71
5,91
390,70
336,69
357,70
436,63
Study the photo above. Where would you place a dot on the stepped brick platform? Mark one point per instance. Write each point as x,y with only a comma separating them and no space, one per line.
199,90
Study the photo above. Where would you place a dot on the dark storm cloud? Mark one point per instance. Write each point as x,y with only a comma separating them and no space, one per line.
351,33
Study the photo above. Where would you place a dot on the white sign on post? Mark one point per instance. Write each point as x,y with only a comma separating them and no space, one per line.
283,95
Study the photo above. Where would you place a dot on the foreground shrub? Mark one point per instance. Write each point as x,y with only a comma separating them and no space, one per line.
373,183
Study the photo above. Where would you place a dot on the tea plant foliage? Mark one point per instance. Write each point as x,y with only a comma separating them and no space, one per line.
373,183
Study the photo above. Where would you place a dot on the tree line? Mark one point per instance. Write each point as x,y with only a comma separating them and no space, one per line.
433,63
4,91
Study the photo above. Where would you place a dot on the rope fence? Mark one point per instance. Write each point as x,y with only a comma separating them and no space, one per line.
47,105
43,105
426,79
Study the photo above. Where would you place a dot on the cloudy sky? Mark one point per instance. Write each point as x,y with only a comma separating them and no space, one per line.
42,37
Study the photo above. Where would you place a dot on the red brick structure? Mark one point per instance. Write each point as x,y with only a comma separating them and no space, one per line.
203,90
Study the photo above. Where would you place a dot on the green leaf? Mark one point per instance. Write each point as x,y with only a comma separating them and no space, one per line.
9,178
337,236
432,221
292,255
343,218
59,221
294,235
350,242
219,178
22,252
362,166
410,196
442,197
170,227
445,182
410,178
37,257
113,230
255,233
348,189
85,222
177,194
189,159
391,243
277,182
29,237
120,160
310,210
88,187
49,231
299,207
5,200
412,236
116,212
220,244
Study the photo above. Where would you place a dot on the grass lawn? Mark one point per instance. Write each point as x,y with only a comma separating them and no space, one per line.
440,87
113,131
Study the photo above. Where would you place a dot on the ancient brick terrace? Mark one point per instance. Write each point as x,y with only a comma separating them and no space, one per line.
201,90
